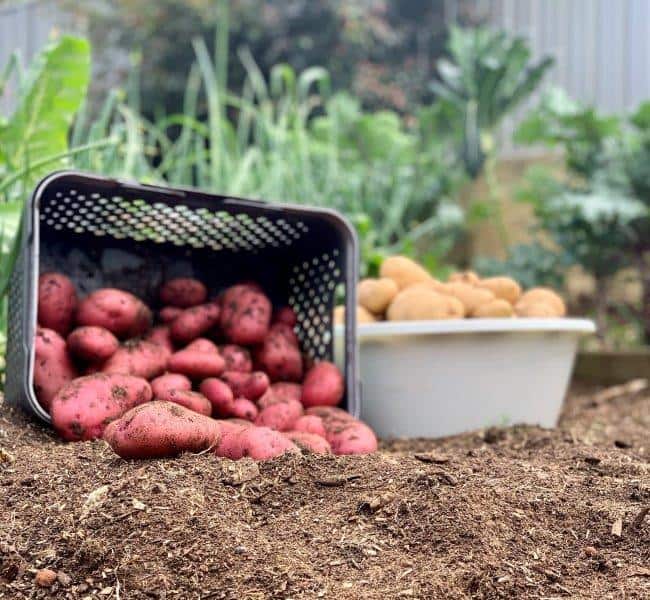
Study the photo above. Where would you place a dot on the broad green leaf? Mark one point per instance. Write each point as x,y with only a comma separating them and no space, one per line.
54,90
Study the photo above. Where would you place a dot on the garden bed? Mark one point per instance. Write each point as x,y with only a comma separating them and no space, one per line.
516,512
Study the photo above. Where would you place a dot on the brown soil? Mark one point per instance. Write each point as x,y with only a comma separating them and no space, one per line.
504,513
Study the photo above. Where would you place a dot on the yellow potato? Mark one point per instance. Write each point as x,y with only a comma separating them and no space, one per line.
433,284
423,305
544,296
505,288
468,277
363,316
403,271
537,309
471,297
376,294
494,309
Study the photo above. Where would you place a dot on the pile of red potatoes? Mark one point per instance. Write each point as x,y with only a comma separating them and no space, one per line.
224,375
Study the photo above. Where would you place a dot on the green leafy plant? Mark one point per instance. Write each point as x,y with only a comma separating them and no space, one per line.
288,138
487,75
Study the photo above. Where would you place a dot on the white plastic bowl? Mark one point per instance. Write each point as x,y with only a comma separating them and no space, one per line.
438,378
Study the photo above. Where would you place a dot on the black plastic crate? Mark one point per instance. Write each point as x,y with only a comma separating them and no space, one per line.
107,233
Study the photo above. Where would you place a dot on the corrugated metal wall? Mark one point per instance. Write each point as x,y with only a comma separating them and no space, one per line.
26,27
601,47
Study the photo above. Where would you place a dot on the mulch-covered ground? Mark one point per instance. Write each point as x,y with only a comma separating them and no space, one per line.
515,513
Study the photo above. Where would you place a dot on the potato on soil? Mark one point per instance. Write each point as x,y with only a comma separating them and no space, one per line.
220,396
310,424
504,288
169,313
194,322
138,358
83,408
237,358
495,309
279,355
53,368
353,437
376,294
417,304
323,385
245,316
262,443
403,271
92,344
161,335
161,429
470,296
169,381
363,316
469,277
309,442
196,364
541,296
229,444
57,302
280,391
330,415
116,310
191,400
246,385
183,292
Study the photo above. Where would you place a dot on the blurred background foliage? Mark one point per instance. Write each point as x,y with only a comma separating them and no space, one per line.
376,108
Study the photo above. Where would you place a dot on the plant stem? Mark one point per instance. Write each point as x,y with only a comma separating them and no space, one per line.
494,194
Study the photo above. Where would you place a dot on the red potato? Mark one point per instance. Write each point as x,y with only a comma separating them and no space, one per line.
116,310
262,443
323,385
243,408
285,315
169,313
57,302
169,381
237,358
196,364
83,408
138,358
53,368
194,322
187,398
280,391
161,429
246,385
220,396
279,356
203,345
183,292
309,442
161,335
353,437
229,444
310,424
281,415
92,344
245,315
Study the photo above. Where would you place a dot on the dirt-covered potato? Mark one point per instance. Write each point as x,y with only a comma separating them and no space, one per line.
116,310
422,305
540,295
375,295
403,271
505,288
363,316
468,277
471,297
494,309
57,302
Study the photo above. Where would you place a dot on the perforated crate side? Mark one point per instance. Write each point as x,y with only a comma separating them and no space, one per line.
15,358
